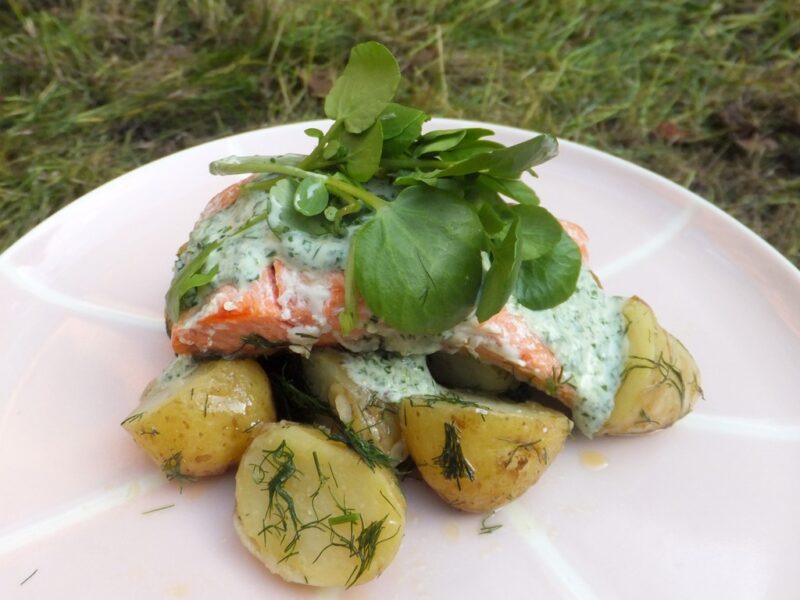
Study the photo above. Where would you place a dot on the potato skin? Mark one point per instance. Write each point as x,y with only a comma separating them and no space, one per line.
507,446
660,381
320,478
200,424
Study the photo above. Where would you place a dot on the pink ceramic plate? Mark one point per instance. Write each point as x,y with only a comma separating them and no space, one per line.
708,509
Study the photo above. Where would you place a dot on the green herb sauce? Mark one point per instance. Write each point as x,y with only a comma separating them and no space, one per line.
390,377
587,335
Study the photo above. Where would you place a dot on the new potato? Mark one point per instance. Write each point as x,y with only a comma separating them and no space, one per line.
660,381
479,453
312,511
199,422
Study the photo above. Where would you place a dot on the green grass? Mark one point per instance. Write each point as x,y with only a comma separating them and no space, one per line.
707,94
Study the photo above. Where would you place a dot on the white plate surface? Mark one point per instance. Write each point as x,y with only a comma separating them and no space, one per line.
708,509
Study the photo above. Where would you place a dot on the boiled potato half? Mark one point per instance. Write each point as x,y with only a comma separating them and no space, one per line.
197,418
312,511
660,381
479,453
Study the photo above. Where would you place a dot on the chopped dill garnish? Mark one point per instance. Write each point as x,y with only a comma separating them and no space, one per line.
541,452
365,547
251,427
152,510
260,342
151,431
172,469
644,418
345,527
281,459
429,400
552,383
489,528
366,449
452,461
133,418
670,375
298,400
350,517
24,581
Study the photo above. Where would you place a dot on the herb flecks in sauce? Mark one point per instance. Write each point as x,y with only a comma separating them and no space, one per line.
390,377
587,335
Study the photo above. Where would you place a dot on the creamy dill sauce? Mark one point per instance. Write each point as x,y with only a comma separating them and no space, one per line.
245,231
162,388
242,255
318,252
179,368
587,335
391,377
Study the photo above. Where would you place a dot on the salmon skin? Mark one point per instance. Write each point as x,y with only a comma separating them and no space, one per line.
287,307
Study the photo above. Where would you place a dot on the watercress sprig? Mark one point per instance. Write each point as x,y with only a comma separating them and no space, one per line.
448,244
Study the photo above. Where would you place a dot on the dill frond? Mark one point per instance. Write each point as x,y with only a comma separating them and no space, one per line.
452,461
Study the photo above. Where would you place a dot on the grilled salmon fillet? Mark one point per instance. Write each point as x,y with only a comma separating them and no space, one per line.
289,307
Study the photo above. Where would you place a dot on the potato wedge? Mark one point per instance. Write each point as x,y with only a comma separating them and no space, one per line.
479,453
312,511
464,371
196,419
363,390
660,382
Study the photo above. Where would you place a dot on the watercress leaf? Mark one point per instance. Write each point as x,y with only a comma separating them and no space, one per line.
415,177
401,127
363,152
364,88
313,132
396,120
539,230
501,276
188,278
311,197
495,217
200,279
331,149
439,143
464,151
511,188
468,134
284,217
549,280
509,162
512,161
417,261
441,140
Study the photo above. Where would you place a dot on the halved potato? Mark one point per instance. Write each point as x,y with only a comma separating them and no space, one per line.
463,371
312,511
660,380
196,419
479,453
364,390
